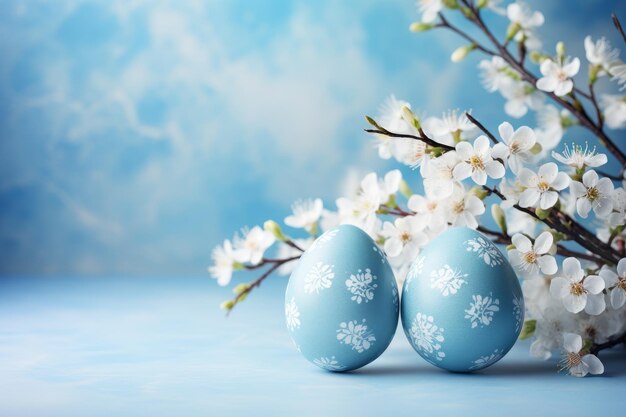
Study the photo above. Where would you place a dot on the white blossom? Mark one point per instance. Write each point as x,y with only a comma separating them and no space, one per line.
495,73
531,258
223,263
576,291
593,193
557,76
252,245
527,21
578,157
450,128
439,181
390,118
618,71
618,215
305,215
542,187
463,208
477,162
406,235
515,146
520,97
552,124
616,283
600,53
614,109
575,361
429,9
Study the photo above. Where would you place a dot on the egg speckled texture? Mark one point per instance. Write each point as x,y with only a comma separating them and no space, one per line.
462,305
341,304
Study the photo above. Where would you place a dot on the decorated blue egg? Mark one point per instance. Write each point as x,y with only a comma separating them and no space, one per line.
462,304
341,303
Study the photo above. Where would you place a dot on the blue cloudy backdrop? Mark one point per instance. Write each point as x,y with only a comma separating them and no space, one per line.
136,135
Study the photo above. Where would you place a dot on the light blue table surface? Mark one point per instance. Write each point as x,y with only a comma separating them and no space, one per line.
161,347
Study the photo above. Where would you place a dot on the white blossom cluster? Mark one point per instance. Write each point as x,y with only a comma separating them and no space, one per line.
554,208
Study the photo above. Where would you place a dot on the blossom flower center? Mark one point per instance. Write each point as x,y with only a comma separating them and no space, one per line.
477,162
561,75
405,237
543,185
573,359
459,207
515,147
621,283
577,289
592,193
530,257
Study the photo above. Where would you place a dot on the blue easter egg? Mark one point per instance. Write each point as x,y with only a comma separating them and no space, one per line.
341,303
462,304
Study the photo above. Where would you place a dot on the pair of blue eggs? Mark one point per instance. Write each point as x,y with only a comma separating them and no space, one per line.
461,307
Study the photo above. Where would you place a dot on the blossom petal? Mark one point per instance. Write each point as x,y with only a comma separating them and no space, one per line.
500,151
462,171
543,243
559,287
528,178
572,68
548,199
594,364
548,171
521,243
575,303
583,206
594,284
547,83
393,247
481,145
494,169
529,197
590,178
577,189
610,278
618,298
547,264
572,269
595,304
564,87
621,268
561,181
464,150
506,132
525,137
572,342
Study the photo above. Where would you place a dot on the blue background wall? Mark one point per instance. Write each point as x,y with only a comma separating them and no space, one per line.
134,136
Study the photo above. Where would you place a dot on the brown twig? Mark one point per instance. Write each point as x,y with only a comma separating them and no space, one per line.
481,127
618,26
277,263
423,138
575,109
597,347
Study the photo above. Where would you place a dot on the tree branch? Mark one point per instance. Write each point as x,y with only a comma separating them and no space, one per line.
481,127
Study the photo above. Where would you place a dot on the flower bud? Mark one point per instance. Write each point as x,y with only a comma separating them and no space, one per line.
560,50
273,227
410,117
227,305
239,288
482,3
498,216
420,27
512,31
460,53
593,73
405,189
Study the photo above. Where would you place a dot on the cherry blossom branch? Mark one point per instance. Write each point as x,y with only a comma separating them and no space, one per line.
597,347
241,295
423,138
594,101
446,24
481,127
574,107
